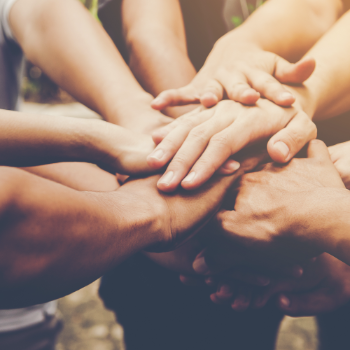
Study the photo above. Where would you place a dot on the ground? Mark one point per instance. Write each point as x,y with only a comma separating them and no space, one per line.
89,326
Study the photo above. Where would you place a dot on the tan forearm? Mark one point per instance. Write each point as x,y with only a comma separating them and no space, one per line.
288,28
72,48
67,238
78,176
155,35
327,90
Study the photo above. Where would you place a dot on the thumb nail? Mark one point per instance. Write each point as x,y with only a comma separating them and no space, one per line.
282,148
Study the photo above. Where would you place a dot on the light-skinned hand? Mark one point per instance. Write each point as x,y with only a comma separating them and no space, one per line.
241,72
200,143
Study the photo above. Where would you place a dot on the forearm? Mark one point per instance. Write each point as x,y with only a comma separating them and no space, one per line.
79,176
33,139
287,28
30,140
72,48
325,93
155,35
67,238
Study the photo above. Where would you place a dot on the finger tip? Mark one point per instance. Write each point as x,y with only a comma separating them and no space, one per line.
279,151
209,99
284,302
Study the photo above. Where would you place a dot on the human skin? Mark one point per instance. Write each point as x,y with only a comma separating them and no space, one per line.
72,48
148,28
32,139
321,97
250,57
85,224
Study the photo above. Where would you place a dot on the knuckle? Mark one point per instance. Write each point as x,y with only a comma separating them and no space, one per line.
179,161
199,135
220,141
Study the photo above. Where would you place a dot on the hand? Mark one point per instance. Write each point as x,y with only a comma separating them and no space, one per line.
277,214
323,287
183,214
340,155
203,140
242,72
136,114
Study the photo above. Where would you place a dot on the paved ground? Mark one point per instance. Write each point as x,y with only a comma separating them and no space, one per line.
89,326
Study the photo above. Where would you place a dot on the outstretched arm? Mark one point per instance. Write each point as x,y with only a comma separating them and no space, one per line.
30,139
251,60
155,35
73,49
62,239
325,93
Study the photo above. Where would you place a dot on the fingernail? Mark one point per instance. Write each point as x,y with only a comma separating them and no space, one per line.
200,266
297,271
282,148
284,301
263,281
189,177
157,154
232,165
285,96
166,179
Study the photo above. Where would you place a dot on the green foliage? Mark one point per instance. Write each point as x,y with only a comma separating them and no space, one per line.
237,20
92,6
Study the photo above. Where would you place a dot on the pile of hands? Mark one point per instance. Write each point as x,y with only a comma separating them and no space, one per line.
261,248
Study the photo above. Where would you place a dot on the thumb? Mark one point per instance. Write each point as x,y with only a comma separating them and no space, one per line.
289,73
318,150
286,143
306,304
176,97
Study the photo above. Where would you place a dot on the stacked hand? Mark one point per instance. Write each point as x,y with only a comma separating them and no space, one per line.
201,142
243,73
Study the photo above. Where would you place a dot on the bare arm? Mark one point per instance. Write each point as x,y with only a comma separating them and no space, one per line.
72,48
62,239
250,60
79,176
325,94
30,139
156,39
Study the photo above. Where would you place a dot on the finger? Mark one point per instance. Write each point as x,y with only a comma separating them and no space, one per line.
177,135
238,89
225,292
289,73
284,145
195,144
221,146
212,93
243,299
306,304
317,149
176,97
270,88
159,134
